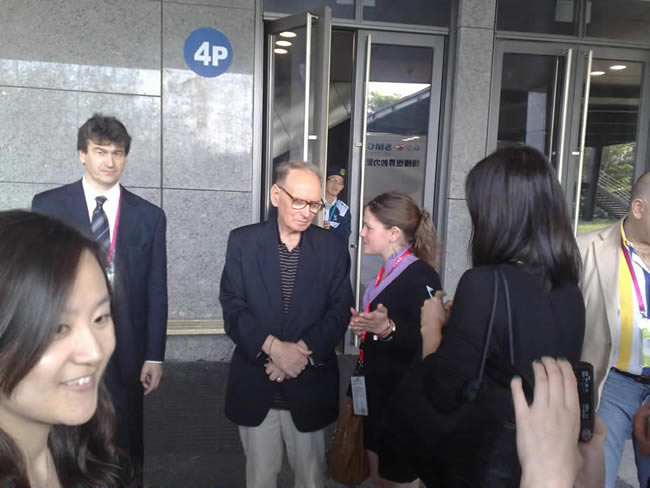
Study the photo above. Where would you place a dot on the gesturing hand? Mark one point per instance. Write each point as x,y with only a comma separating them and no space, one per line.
374,322
434,315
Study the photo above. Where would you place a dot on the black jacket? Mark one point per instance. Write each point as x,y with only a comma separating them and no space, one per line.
251,298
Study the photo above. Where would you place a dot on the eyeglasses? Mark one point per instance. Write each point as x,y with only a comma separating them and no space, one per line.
299,203
334,179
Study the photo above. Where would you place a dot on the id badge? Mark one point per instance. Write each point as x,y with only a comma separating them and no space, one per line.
645,335
110,272
359,398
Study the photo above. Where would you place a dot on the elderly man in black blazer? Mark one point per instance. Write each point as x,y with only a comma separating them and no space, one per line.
132,231
286,298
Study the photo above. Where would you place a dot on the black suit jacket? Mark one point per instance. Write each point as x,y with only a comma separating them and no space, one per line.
140,272
251,298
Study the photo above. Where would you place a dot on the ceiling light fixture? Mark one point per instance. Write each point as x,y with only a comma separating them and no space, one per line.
617,67
279,50
282,43
288,34
597,73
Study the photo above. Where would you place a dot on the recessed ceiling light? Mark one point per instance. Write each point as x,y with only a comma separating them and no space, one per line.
283,43
279,50
617,67
288,34
597,73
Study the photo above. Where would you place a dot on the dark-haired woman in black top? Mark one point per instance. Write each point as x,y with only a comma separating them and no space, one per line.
520,226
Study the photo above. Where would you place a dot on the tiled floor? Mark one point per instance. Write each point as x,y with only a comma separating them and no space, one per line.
190,444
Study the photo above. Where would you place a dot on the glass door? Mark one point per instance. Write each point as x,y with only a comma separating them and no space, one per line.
586,108
531,95
396,114
610,134
297,94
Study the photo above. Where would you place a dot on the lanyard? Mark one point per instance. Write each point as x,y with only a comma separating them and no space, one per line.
639,297
111,249
380,275
332,210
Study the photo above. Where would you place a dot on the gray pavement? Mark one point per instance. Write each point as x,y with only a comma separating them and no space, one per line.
189,443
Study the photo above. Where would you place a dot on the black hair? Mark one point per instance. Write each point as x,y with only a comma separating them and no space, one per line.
39,259
102,129
519,214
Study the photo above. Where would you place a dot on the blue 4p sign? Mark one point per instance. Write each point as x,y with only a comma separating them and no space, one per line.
208,52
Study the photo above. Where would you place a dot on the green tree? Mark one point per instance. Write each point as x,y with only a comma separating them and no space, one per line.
378,100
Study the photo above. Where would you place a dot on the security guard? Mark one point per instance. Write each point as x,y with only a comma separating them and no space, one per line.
337,214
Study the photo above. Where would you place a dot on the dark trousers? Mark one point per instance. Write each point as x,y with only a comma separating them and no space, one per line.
127,399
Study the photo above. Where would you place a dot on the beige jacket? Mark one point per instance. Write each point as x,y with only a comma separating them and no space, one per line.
600,251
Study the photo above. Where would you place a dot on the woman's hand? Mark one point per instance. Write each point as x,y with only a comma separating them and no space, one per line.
374,322
434,315
547,430
592,472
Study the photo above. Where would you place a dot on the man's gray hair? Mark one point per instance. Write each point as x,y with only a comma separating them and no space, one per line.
282,170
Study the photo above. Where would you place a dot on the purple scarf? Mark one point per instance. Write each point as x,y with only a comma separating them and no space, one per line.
373,291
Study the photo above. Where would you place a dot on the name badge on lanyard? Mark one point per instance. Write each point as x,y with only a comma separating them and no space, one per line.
645,323
110,256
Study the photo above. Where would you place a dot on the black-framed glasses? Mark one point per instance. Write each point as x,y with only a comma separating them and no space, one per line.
299,203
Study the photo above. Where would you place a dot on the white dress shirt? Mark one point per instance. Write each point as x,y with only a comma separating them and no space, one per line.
110,205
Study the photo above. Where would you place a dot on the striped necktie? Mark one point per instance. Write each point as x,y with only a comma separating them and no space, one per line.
99,224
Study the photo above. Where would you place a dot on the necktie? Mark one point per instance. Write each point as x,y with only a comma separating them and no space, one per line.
99,224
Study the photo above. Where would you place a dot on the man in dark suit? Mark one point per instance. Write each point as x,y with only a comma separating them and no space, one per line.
132,231
286,298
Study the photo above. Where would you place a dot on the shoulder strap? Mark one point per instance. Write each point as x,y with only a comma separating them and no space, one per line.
474,385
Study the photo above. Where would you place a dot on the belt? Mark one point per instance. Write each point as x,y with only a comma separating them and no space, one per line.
645,380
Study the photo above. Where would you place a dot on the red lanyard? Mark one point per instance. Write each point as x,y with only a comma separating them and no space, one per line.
111,249
630,267
380,275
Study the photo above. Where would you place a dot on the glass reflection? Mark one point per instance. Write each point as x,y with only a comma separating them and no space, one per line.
530,102
619,19
541,16
611,141
399,95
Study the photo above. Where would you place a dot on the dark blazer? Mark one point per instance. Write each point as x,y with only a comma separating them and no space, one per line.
386,361
251,298
140,272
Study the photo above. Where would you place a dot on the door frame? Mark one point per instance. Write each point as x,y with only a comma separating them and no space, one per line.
358,128
320,109
574,86
641,163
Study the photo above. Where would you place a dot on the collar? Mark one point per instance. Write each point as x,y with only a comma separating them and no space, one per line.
277,234
391,260
330,205
112,194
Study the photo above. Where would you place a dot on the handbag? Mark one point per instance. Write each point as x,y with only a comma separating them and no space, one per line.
475,444
347,459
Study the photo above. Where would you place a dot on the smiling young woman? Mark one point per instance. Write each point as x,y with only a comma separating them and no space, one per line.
56,337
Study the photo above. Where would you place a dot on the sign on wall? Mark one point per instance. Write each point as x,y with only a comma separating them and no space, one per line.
208,52
395,162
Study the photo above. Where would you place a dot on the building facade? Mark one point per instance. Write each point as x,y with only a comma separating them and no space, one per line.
405,95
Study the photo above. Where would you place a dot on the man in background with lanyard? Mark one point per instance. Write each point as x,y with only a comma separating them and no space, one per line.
616,287
337,216
132,232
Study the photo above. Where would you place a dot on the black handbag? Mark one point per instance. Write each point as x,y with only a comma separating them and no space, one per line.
474,445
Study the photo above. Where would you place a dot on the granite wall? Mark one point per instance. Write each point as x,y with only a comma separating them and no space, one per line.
192,150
